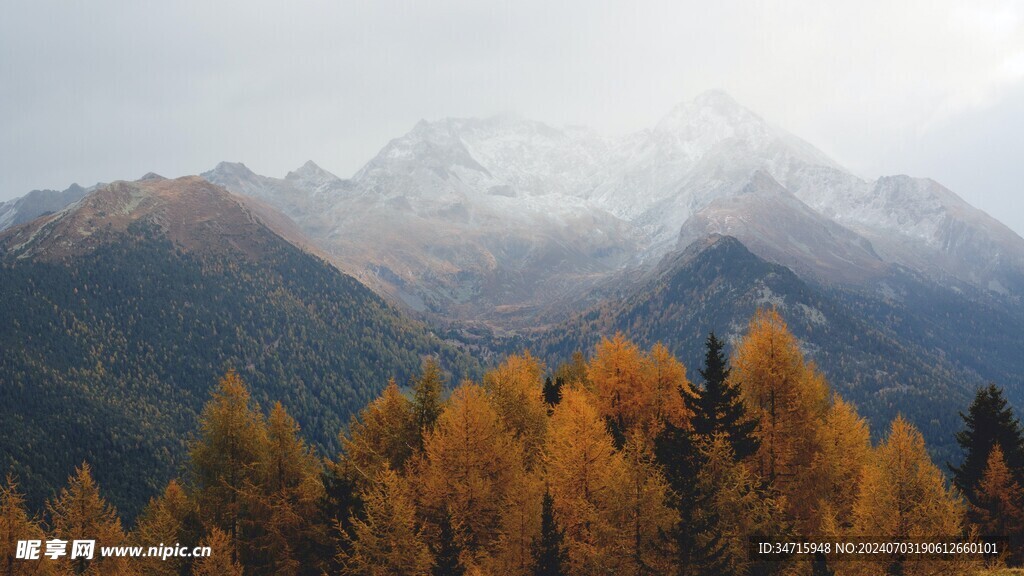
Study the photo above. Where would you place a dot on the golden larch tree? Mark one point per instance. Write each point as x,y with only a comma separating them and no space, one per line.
471,463
669,387
383,434
516,390
15,525
80,513
828,489
999,513
162,522
220,561
788,397
619,380
903,497
226,459
386,539
643,516
587,478
282,521
520,528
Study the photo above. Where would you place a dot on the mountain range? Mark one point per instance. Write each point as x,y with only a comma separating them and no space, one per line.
122,310
502,233
505,221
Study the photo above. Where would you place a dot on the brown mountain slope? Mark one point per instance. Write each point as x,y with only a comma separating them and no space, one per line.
193,213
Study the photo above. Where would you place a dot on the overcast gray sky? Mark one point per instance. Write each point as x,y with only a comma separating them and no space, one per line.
103,90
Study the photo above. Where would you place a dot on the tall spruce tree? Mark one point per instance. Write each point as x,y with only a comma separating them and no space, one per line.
426,399
989,421
549,553
717,406
717,410
553,391
699,547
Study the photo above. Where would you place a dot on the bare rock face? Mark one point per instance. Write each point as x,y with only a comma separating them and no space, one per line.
775,224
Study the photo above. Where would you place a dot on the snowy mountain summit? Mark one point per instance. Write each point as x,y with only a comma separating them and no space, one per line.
503,218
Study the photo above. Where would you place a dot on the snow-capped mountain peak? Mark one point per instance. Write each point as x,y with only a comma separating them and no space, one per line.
483,198
711,108
311,177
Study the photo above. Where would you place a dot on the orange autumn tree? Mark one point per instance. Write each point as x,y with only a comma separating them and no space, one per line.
903,497
520,528
386,538
999,512
80,513
833,479
644,516
638,391
283,504
620,384
471,465
585,475
383,434
16,524
669,388
789,398
163,520
256,480
220,561
515,388
226,459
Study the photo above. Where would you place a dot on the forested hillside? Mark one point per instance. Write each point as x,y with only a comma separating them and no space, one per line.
890,356
107,356
622,461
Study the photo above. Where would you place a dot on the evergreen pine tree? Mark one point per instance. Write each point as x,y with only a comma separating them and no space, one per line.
549,552
427,397
677,451
342,505
553,391
989,421
718,408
